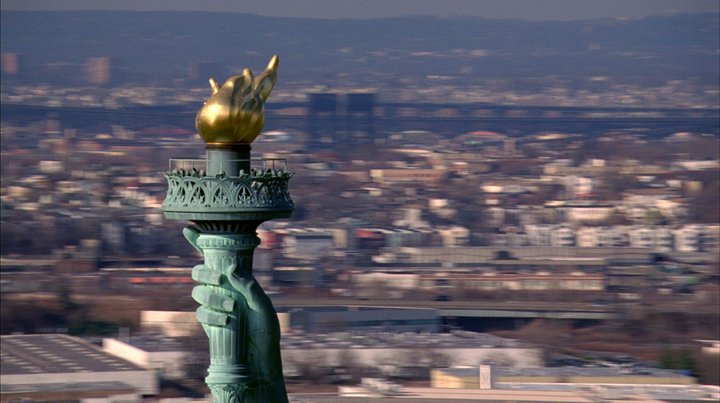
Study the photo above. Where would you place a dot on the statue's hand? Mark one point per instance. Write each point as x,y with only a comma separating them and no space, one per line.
214,308
263,340
263,329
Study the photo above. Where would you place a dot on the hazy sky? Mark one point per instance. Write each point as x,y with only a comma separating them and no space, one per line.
523,9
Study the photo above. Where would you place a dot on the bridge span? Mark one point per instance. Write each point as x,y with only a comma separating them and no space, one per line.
467,309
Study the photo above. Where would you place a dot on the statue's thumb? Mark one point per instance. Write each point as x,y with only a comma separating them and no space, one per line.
246,285
192,235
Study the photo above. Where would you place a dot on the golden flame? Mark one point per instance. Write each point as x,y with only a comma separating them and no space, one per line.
234,113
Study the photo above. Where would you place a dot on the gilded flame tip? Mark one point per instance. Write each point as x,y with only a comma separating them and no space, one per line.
234,113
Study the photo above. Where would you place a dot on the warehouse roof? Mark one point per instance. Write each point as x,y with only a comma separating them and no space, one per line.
55,353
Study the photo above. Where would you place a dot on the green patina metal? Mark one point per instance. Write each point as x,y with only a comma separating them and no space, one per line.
226,197
236,314
192,193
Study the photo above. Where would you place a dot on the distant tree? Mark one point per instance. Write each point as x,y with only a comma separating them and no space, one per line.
616,218
614,183
678,359
654,217
708,369
29,317
64,296
705,205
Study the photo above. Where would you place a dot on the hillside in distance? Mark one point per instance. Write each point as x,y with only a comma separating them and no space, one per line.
167,43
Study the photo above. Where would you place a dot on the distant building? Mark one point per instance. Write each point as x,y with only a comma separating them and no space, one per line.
562,236
11,64
454,236
384,285
165,356
427,176
307,244
587,212
472,256
295,276
403,353
51,367
688,238
659,239
711,238
541,281
506,378
637,202
579,186
599,237
538,235
99,70
170,323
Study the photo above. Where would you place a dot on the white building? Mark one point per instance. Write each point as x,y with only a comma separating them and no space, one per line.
579,186
637,202
595,237
550,235
392,353
562,236
307,244
688,238
495,216
166,356
48,364
379,284
711,237
659,239
170,323
538,235
581,212
454,236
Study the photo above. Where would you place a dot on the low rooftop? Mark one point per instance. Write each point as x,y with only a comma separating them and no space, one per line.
55,353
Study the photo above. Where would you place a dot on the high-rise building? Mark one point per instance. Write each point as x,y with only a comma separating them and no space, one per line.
11,63
99,70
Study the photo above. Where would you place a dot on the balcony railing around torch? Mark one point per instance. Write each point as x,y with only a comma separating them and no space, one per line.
230,168
217,186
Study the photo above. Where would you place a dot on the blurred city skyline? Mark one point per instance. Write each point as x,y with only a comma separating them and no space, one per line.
500,189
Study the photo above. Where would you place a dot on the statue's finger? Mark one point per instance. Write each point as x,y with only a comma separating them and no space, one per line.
202,274
208,298
210,317
242,282
249,288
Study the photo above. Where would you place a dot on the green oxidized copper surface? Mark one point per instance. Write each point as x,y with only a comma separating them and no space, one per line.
193,196
226,200
239,319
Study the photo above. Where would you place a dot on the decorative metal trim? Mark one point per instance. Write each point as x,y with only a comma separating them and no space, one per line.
192,191
228,241
227,393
